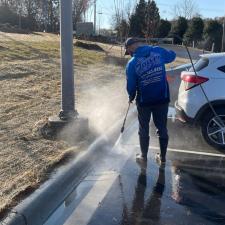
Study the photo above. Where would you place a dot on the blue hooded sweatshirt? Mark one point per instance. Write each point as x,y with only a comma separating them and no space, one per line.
146,75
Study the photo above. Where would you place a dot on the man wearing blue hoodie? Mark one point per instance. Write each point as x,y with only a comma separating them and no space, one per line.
147,83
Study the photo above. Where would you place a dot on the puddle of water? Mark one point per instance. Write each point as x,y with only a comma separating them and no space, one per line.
172,114
62,213
199,192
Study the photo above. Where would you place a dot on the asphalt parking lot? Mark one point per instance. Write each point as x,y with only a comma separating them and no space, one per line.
116,191
189,190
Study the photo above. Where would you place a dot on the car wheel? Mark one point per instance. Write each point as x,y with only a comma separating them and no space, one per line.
213,129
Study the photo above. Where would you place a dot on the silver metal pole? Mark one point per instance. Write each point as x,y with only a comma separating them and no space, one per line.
67,74
99,20
20,24
20,16
223,38
95,12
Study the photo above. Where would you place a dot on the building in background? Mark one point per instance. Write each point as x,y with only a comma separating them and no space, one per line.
85,29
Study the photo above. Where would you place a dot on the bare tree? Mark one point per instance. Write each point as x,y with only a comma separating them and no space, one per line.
186,8
12,4
122,13
123,9
119,10
80,8
8,2
40,14
48,14
119,15
130,7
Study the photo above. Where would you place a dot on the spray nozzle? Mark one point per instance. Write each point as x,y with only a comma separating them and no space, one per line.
122,129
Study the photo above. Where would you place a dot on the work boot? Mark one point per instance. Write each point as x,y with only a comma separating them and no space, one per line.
160,161
163,143
144,144
141,160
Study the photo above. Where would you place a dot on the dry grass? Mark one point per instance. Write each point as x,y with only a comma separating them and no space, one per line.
30,93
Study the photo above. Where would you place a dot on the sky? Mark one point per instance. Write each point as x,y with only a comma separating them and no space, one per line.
206,8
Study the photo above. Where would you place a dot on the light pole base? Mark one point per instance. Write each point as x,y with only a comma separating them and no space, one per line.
72,130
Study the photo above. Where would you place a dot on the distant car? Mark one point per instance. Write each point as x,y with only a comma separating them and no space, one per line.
192,106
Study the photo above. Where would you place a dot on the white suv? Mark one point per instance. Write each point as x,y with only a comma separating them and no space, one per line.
192,105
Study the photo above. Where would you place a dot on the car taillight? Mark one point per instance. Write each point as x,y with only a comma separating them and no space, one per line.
192,81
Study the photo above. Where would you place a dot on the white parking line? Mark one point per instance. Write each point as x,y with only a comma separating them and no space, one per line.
88,206
197,153
189,152
85,210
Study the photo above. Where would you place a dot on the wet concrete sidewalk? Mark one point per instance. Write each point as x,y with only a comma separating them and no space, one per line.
189,190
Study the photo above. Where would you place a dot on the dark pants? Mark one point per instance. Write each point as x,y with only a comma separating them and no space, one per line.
159,116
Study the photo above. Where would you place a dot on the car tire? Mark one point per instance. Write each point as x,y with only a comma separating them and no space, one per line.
211,129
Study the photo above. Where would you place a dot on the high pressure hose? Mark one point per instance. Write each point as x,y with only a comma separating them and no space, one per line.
220,122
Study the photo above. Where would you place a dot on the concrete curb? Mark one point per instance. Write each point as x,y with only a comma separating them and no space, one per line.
15,218
36,209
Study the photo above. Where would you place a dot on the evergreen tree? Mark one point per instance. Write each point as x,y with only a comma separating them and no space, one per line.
122,28
213,34
152,18
179,28
195,30
164,28
138,20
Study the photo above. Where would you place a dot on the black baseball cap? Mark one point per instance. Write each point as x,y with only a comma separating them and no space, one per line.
130,41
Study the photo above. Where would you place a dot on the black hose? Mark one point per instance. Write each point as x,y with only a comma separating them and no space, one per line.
221,123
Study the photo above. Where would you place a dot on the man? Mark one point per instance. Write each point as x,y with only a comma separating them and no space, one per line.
146,81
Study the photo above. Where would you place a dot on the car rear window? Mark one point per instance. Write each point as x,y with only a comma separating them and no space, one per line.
200,64
222,68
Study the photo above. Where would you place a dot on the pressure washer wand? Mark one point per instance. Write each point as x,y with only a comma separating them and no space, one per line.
123,127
